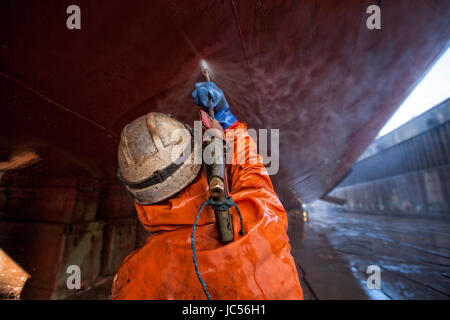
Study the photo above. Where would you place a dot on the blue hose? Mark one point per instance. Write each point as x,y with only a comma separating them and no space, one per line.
226,204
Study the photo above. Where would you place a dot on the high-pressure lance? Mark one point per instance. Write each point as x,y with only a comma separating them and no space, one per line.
216,174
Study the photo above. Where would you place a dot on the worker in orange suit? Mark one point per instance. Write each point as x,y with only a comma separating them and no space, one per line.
168,195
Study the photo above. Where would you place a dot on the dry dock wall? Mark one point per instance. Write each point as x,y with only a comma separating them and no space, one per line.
405,171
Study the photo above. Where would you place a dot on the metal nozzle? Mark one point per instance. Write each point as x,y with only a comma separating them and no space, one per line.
206,74
216,187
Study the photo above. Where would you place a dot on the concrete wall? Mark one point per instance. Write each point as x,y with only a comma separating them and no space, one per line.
422,192
429,149
406,171
429,119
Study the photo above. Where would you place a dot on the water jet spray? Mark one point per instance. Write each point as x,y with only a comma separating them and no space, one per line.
205,70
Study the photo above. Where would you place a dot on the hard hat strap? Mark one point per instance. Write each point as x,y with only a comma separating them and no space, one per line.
157,177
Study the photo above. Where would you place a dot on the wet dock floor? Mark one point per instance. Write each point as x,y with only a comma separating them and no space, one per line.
333,250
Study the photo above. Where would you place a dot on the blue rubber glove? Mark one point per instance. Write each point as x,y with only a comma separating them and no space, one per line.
205,90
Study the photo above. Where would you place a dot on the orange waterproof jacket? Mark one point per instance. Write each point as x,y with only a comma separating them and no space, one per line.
257,265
